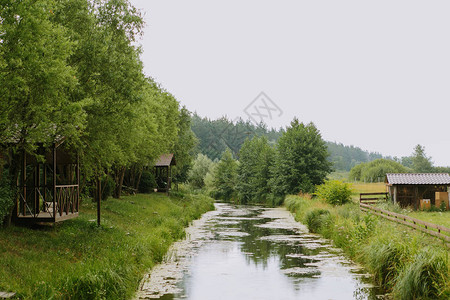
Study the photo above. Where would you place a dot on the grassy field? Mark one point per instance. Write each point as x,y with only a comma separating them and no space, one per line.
407,263
78,260
440,218
360,187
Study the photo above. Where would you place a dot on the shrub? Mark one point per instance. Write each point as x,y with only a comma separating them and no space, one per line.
315,219
147,183
335,192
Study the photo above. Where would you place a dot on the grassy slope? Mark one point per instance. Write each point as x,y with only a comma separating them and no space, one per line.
78,260
404,261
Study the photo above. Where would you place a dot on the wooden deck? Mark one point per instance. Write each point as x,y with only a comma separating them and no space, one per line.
46,217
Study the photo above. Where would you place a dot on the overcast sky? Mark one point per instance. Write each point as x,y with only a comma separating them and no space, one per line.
374,74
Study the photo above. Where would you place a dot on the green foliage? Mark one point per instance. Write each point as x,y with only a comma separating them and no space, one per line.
83,261
420,162
316,218
300,161
255,161
107,187
225,175
335,192
345,158
35,76
404,262
385,257
215,136
6,196
147,183
375,171
425,276
201,166
184,146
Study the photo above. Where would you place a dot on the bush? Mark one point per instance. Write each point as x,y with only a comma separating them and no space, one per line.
6,196
147,183
335,192
315,219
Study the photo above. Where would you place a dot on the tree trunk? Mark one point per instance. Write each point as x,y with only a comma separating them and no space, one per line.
138,181
119,174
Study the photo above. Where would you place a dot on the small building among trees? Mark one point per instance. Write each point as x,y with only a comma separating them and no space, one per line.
410,189
48,185
163,172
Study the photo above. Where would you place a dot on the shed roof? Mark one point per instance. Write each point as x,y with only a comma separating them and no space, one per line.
418,178
165,160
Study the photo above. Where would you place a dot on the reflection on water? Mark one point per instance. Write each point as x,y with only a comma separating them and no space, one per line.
244,252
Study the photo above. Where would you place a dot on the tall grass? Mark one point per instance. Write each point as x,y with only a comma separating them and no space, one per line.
406,263
78,260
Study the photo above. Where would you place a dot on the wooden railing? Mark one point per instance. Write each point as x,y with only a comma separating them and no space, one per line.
409,221
67,199
372,198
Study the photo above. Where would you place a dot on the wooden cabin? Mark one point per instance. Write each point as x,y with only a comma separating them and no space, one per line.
410,189
163,172
48,188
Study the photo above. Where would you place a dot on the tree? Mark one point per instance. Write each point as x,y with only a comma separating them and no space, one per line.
35,77
375,171
420,162
184,146
225,174
36,82
301,160
255,161
201,166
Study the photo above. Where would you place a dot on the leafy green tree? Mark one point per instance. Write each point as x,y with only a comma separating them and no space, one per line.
201,166
375,171
35,77
225,176
255,161
420,162
301,160
184,146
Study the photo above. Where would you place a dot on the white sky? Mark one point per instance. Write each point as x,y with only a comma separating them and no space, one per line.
374,74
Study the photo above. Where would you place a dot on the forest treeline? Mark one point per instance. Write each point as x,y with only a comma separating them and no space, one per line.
71,70
264,171
215,136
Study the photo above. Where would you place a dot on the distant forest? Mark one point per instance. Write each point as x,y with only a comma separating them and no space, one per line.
215,136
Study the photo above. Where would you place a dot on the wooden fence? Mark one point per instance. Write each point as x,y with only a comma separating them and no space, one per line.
372,198
408,221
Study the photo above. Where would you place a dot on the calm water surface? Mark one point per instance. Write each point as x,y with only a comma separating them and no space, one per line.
246,252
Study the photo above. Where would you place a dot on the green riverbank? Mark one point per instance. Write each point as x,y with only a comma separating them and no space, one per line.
407,263
78,260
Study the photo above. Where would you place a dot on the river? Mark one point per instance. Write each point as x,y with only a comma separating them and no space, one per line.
250,252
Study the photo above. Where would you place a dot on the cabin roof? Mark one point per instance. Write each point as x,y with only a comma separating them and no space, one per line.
418,178
165,160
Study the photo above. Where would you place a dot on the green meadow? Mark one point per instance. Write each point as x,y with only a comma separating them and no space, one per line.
76,259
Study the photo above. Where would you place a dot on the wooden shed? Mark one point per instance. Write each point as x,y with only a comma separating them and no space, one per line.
409,189
48,188
163,172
